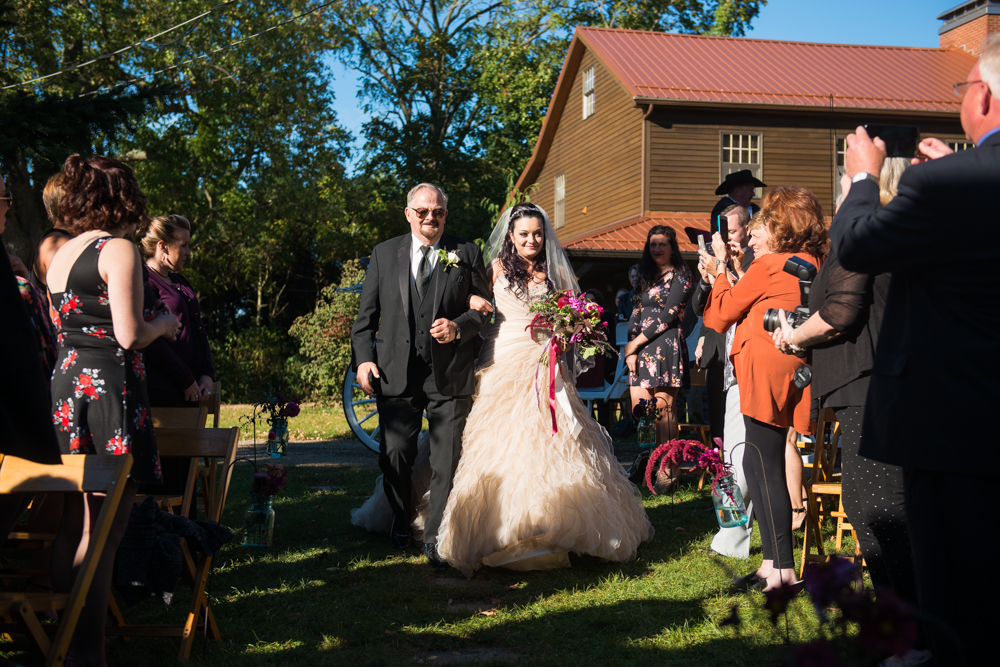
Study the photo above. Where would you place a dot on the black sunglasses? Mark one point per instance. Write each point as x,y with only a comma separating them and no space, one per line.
422,212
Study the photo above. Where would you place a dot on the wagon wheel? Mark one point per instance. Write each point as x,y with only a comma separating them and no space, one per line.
361,412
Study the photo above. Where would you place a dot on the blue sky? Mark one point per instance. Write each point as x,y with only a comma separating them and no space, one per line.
887,22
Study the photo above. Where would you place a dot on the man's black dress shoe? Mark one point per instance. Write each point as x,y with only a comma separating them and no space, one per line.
747,582
400,538
431,551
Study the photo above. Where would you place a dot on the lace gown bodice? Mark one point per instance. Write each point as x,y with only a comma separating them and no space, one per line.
510,322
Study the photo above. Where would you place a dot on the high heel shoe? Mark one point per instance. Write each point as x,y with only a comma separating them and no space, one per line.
799,516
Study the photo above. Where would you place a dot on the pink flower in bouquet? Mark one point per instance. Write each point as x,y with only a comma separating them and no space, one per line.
563,301
291,409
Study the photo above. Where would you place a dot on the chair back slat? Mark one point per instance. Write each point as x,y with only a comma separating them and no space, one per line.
195,442
78,473
179,417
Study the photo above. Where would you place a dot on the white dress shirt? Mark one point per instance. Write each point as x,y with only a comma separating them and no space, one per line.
415,256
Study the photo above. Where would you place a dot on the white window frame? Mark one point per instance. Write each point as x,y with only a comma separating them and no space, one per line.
839,168
589,101
559,197
741,145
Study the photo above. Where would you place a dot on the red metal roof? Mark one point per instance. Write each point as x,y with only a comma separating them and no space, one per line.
694,68
629,236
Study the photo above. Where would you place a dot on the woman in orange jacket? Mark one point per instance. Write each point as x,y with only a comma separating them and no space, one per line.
791,225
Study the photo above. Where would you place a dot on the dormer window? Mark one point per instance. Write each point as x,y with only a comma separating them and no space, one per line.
588,93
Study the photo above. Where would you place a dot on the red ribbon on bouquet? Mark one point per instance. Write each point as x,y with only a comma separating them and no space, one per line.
554,353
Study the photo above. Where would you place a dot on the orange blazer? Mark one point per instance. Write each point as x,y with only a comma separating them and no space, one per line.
764,374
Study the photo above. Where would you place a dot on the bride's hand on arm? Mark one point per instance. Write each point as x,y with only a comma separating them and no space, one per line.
477,302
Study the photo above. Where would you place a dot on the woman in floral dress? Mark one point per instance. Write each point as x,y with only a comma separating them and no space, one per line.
99,403
656,353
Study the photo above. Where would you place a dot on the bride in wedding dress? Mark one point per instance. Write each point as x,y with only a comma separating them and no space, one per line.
524,497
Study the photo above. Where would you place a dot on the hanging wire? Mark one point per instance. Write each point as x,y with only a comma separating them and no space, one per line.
196,20
212,52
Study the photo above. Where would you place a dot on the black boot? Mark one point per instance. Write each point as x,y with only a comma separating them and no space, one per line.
637,471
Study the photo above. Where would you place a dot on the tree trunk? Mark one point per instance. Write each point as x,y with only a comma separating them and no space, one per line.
26,220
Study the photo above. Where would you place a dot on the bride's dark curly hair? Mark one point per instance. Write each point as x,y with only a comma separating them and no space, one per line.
516,268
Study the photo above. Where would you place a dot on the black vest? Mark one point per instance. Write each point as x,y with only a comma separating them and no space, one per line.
421,316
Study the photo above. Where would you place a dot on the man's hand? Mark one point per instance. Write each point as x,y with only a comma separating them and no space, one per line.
931,149
698,351
443,331
364,370
863,154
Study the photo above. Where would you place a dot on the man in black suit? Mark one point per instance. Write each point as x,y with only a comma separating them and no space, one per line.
415,308
934,380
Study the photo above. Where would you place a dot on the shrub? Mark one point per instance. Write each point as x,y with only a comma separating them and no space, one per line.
324,335
252,359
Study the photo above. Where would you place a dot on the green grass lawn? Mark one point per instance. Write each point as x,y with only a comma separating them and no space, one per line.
317,421
328,593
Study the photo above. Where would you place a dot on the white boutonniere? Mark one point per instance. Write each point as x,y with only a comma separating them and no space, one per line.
448,258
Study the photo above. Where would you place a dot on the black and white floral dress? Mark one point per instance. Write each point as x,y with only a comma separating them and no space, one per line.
99,401
663,360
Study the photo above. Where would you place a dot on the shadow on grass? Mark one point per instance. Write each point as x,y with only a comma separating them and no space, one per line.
328,593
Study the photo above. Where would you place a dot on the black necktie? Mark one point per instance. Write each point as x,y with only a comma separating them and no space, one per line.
423,271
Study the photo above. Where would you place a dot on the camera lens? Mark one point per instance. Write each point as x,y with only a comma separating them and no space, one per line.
771,321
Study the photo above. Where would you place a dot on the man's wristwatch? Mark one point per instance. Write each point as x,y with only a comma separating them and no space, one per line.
863,176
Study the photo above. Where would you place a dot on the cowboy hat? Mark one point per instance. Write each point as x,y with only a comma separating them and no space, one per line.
738,178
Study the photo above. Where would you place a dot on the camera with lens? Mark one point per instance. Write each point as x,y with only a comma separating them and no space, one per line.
805,272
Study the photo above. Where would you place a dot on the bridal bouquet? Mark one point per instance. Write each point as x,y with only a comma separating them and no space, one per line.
570,319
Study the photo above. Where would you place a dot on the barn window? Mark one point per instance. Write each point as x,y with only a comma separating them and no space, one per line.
741,151
588,93
839,169
959,145
560,199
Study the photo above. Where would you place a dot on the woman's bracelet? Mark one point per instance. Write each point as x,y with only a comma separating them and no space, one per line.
792,346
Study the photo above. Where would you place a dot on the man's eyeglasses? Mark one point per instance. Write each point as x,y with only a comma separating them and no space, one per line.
7,199
422,212
958,86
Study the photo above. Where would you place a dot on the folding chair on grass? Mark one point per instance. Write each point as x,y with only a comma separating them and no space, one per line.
193,443
77,474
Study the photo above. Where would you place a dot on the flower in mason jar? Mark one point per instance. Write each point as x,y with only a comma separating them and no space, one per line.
291,409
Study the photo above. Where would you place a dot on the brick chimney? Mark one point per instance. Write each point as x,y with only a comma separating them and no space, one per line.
967,25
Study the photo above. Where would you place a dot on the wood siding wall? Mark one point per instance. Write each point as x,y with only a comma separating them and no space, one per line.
600,156
796,149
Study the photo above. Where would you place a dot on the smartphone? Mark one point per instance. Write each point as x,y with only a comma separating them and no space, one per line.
724,228
701,243
900,140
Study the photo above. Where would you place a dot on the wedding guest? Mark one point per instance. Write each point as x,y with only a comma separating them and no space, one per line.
843,334
180,372
656,353
51,240
99,402
623,302
769,400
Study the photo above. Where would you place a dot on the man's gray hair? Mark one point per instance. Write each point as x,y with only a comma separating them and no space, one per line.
989,64
442,197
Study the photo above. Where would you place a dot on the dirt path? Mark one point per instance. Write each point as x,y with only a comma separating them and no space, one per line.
320,453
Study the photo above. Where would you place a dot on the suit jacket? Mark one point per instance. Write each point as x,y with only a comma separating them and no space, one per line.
763,374
383,317
714,349
934,379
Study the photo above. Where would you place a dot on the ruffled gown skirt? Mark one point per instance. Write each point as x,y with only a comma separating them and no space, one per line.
523,497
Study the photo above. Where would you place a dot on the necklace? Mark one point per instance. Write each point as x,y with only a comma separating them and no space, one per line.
165,277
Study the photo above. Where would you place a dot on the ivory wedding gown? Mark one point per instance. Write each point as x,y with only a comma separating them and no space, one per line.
523,497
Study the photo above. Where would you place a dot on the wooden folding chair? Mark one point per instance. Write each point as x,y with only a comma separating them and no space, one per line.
77,474
177,418
214,403
212,444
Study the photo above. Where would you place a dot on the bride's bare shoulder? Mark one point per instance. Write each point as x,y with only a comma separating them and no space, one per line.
494,271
